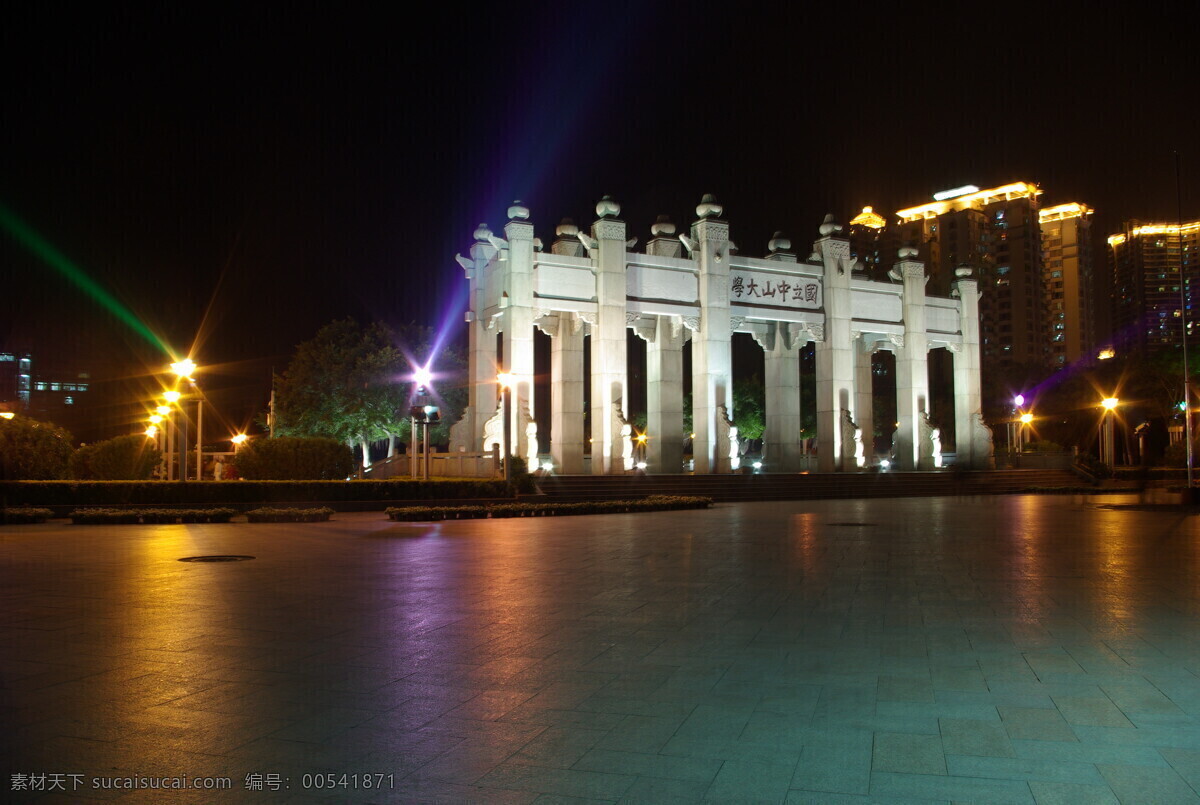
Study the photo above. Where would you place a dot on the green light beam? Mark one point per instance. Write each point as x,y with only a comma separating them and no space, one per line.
28,237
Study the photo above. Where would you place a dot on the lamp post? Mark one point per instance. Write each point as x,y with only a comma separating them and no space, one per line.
185,370
1026,418
1107,434
505,379
164,414
173,398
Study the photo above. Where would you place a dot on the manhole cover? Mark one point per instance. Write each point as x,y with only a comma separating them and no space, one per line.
215,558
851,525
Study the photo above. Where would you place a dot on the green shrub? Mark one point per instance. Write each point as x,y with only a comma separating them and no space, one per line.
149,516
125,458
24,515
503,510
209,493
32,450
1094,467
269,515
295,458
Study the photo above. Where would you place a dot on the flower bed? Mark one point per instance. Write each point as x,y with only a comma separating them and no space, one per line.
268,515
23,515
647,504
149,516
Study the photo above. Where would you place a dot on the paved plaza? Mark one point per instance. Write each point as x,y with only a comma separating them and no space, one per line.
986,649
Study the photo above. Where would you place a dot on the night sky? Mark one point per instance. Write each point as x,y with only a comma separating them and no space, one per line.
239,178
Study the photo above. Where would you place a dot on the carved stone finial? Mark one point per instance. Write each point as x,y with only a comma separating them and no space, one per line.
663,227
518,212
829,226
964,271
607,207
907,253
482,233
708,207
779,243
566,229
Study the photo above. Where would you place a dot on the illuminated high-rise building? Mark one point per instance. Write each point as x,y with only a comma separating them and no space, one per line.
1148,303
996,232
1068,282
874,243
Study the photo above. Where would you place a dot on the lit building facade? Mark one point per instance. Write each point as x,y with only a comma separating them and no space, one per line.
873,243
997,233
1148,302
1068,283
16,380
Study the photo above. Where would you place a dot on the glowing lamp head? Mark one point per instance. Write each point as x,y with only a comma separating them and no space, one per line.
641,465
506,380
163,410
239,439
1026,419
1019,400
1183,405
641,438
757,465
7,415
151,432
1110,403
155,419
185,368
423,377
171,396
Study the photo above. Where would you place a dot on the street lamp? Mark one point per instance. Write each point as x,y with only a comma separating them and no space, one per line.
1025,419
506,380
185,370
238,440
1107,447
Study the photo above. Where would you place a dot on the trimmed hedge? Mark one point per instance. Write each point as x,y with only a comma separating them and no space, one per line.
267,515
295,458
149,516
21,516
499,510
208,493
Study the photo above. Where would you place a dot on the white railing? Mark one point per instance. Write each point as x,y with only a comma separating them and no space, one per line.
441,465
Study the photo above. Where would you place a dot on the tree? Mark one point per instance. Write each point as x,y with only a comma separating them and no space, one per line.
125,458
33,451
352,384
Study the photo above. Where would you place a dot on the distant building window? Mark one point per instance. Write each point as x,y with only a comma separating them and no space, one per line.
81,386
54,387
39,386
68,400
5,357
1056,274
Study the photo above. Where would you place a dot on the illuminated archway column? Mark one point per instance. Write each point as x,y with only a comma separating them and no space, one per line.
664,396
566,393
781,369
835,352
712,361
518,317
912,367
971,447
608,342
482,395
864,386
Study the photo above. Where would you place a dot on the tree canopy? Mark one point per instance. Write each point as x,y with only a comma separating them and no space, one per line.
353,383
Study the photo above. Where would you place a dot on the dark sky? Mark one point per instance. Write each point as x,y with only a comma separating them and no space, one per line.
240,177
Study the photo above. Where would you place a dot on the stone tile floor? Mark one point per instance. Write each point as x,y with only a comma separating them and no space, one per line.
1006,649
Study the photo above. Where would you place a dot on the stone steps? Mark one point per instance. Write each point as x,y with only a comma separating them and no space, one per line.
801,487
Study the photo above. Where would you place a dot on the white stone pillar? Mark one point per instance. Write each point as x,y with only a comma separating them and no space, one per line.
834,354
566,395
781,367
968,394
482,397
712,362
608,342
864,405
912,367
518,322
664,396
